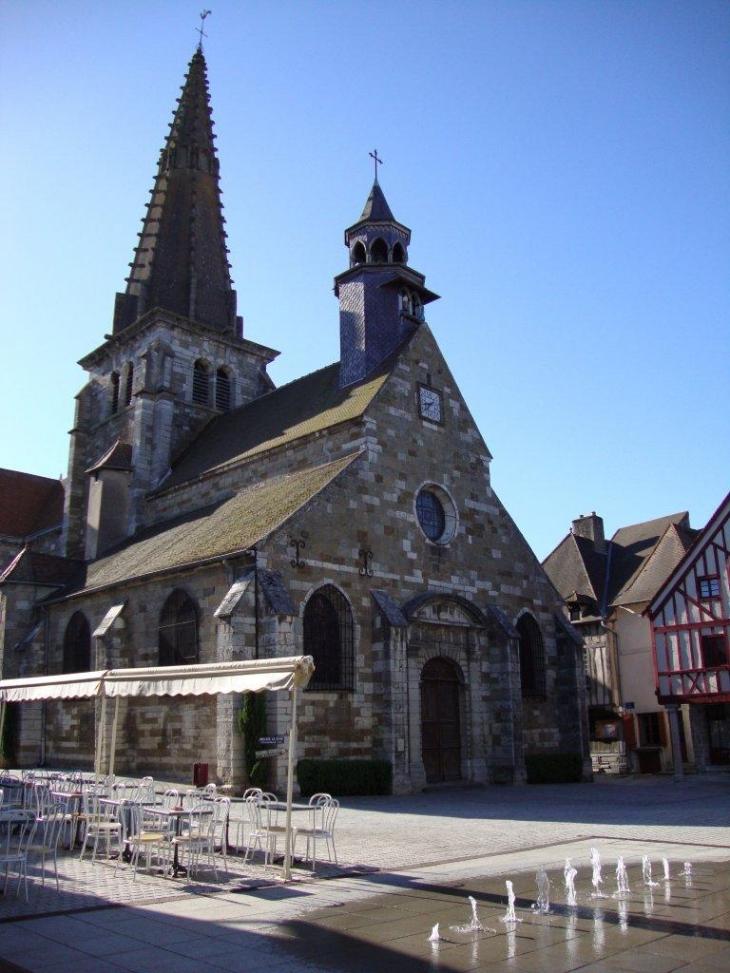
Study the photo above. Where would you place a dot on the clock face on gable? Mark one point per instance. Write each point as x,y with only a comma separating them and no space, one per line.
430,405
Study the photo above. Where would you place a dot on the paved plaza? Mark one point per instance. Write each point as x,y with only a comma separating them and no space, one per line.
407,865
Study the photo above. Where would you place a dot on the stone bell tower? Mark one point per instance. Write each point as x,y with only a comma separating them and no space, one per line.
176,355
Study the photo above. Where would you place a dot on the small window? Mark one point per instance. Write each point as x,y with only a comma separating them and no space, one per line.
709,587
178,631
714,651
398,254
358,254
201,382
532,658
436,514
77,644
222,390
328,638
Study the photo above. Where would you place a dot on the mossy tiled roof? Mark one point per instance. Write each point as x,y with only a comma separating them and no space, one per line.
306,406
228,527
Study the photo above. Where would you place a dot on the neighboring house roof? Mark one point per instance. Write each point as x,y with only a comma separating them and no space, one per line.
633,565
632,546
304,407
657,566
231,526
576,567
29,504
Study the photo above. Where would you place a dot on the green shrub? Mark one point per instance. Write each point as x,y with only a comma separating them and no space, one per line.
252,724
554,768
344,778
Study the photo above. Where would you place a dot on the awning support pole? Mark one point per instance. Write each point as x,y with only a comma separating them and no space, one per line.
100,739
290,786
113,748
3,706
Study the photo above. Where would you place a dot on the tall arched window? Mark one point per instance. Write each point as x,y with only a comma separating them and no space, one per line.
115,392
129,386
201,382
358,253
178,632
222,390
328,638
399,254
532,657
77,644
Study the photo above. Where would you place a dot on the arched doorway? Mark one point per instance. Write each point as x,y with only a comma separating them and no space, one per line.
440,721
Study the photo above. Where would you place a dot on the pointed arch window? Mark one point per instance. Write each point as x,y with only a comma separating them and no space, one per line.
532,658
129,384
222,390
178,632
201,382
358,254
379,251
77,644
328,638
399,255
115,392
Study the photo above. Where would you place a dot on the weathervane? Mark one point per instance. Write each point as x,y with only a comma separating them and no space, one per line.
203,15
378,162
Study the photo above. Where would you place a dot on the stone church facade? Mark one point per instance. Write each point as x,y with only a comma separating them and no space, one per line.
348,515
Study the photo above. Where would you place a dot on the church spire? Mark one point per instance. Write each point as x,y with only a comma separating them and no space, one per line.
181,261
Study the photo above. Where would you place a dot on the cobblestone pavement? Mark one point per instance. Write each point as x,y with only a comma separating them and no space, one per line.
412,858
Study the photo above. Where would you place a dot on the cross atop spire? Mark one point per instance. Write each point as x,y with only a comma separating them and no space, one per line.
377,162
200,31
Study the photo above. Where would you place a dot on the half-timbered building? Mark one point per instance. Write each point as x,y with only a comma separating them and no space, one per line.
690,621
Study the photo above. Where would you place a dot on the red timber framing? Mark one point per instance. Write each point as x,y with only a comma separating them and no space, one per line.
690,619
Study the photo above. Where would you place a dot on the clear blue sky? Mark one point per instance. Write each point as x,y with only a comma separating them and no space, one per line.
564,168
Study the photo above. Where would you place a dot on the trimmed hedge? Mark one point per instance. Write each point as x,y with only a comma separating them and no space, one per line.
344,778
554,768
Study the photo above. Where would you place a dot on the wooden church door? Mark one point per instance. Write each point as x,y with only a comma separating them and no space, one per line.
440,721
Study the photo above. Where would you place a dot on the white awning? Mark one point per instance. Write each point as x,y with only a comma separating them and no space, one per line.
72,685
253,676
250,676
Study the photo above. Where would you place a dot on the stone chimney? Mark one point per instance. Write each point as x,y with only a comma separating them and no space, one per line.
591,527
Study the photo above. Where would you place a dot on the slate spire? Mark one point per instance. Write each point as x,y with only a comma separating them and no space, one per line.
181,261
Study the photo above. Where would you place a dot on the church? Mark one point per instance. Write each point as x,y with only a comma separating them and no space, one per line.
348,515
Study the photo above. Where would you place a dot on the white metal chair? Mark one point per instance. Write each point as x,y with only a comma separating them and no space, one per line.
46,835
104,827
322,827
264,829
196,837
149,837
16,832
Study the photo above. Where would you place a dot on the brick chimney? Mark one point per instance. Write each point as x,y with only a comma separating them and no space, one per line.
591,527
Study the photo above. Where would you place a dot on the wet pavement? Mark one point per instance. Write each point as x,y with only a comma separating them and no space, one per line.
407,865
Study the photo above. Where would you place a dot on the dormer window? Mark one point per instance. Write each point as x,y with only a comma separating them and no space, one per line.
379,251
359,256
